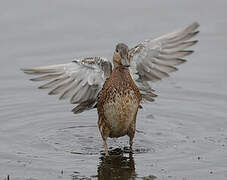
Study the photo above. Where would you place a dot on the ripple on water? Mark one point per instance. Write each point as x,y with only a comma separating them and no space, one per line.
86,140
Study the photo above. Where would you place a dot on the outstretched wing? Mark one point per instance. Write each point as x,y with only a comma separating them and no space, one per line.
80,80
153,60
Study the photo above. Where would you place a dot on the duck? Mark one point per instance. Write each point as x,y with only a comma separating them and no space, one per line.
119,100
117,88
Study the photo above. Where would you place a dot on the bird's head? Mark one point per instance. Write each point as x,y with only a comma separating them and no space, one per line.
121,55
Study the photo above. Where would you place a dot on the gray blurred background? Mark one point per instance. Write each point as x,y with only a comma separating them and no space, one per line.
182,135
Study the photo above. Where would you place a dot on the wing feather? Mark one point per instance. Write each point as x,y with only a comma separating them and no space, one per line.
59,89
46,77
153,60
80,80
53,82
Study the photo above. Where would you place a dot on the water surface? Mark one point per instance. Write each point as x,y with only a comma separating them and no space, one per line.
182,135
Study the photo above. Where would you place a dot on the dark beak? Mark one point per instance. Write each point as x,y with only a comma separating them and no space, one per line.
125,61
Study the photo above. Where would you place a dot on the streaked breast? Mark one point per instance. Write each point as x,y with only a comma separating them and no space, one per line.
120,111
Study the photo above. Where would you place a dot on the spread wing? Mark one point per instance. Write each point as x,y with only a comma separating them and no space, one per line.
153,60
80,80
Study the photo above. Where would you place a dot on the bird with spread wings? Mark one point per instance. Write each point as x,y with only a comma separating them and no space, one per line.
83,79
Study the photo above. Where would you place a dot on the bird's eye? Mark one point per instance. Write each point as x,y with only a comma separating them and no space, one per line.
117,50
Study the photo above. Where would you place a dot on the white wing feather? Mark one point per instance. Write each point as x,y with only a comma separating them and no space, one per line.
80,80
153,60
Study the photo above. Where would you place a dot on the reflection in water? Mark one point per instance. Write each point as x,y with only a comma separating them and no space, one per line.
116,167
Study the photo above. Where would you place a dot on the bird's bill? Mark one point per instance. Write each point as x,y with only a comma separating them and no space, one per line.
125,61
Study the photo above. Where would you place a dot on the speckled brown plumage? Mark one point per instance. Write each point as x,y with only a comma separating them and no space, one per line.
118,103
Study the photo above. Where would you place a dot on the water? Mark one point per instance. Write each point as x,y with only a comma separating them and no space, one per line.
182,135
